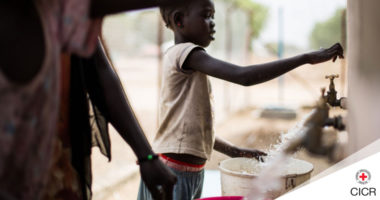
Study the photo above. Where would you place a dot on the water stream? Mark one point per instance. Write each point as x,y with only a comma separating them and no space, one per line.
271,171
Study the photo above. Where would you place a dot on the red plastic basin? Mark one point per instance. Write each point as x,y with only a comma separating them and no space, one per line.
224,198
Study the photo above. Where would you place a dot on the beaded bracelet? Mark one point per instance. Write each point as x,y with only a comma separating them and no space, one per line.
147,158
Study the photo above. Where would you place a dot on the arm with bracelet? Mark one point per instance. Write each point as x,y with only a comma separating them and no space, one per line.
154,174
150,157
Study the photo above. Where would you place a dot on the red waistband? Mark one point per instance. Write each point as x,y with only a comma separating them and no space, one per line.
180,162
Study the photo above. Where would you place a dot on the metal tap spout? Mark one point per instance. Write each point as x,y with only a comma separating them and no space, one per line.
312,132
311,137
331,96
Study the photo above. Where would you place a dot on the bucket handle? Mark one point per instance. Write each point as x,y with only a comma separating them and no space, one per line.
290,183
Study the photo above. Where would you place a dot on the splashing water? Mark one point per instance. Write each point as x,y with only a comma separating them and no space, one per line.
295,132
269,179
272,170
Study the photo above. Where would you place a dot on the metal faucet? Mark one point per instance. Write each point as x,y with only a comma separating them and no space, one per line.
311,138
331,94
337,122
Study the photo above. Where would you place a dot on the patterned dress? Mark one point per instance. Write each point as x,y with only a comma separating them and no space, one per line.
29,113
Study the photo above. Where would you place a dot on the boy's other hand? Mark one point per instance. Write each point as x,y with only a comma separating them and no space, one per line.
158,178
249,153
323,55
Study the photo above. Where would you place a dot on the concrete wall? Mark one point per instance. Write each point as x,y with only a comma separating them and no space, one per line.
363,72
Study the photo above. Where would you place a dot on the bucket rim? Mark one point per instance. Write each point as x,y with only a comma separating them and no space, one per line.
230,172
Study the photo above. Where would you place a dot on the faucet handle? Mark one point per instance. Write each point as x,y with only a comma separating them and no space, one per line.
332,76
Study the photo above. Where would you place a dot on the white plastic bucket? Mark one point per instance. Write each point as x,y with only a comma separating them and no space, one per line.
237,175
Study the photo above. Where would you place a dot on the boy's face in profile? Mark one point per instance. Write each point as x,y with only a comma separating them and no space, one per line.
199,22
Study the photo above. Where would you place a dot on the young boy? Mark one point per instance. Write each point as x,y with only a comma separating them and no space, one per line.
185,136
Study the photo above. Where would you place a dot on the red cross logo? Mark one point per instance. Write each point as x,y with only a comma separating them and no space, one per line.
363,176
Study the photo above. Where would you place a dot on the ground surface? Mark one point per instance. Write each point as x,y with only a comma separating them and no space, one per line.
243,129
240,125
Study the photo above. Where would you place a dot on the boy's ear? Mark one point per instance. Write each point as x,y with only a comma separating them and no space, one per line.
178,19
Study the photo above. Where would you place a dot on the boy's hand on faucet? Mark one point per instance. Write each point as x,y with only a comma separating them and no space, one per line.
249,153
324,55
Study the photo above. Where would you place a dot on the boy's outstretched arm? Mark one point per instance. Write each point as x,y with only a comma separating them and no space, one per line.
100,8
233,151
199,60
153,172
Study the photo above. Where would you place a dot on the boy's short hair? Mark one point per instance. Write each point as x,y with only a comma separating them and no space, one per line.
167,10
